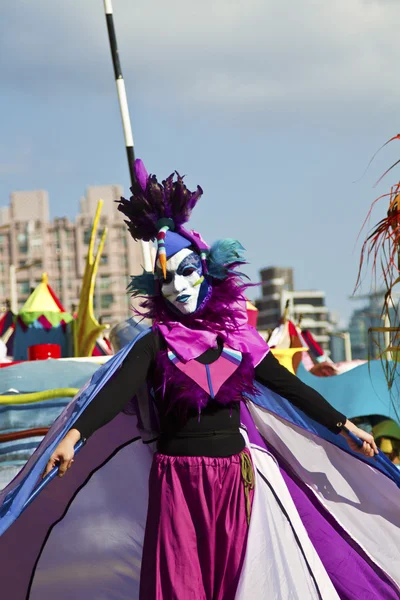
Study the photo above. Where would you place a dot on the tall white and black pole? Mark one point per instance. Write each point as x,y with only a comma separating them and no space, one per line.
123,105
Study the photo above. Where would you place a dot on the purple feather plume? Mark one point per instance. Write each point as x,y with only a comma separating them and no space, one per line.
152,201
141,173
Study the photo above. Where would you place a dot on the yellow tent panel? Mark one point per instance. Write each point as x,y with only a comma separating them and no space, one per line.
41,300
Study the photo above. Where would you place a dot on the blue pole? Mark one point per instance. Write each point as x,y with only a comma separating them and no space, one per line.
49,477
380,458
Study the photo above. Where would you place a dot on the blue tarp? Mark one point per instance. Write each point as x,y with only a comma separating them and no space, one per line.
29,377
361,392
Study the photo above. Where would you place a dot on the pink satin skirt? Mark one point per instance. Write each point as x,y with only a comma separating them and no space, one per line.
196,528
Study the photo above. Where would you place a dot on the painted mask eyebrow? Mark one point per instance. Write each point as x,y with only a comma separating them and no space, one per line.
192,261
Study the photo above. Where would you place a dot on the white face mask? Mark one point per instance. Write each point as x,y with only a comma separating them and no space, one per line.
184,279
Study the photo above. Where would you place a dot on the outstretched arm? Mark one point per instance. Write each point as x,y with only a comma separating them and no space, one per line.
120,389
109,402
278,379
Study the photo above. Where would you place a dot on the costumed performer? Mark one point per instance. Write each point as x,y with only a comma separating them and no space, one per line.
221,510
202,361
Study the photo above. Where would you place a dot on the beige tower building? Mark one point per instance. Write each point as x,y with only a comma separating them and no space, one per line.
33,243
278,292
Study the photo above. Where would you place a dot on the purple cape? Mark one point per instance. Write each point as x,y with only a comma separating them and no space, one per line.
82,536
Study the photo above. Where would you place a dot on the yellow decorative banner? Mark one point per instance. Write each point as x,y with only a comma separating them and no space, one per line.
86,327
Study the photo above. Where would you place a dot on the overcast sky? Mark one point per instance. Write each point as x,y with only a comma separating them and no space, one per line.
273,106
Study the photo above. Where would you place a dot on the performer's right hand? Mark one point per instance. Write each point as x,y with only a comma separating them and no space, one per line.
63,455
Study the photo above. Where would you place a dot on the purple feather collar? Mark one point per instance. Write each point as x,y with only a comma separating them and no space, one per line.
224,317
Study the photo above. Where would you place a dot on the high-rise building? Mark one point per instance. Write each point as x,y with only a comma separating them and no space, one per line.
34,244
4,215
338,349
29,206
108,193
274,280
308,305
358,329
368,339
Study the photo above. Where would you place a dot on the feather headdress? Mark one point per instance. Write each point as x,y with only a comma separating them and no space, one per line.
156,209
159,211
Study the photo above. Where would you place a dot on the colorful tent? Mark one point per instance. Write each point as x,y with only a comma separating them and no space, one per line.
42,320
288,346
7,328
288,336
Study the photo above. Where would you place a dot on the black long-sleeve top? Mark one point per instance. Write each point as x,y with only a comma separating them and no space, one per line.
217,432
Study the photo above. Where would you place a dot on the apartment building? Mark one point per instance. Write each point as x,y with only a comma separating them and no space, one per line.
274,280
308,306
278,292
367,324
34,244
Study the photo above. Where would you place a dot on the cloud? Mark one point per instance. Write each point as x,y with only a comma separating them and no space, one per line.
227,55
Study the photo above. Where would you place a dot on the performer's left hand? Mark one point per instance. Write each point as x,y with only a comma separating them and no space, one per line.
369,448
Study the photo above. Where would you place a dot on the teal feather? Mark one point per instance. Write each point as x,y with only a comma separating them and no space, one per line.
142,285
223,257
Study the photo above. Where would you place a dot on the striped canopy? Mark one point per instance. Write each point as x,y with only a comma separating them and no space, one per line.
42,320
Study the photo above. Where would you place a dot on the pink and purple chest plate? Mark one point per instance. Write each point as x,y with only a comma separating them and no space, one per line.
213,376
183,385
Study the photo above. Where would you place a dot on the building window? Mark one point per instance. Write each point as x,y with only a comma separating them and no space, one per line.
23,287
86,236
22,241
105,282
106,300
36,242
104,259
